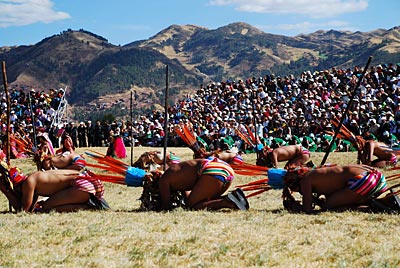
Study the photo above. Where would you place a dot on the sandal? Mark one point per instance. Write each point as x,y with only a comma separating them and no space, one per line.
239,194
239,204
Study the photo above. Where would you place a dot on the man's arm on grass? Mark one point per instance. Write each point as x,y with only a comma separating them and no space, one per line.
306,191
11,196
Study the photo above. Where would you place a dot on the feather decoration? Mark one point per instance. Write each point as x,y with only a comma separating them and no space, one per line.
19,137
243,168
104,158
178,131
189,137
189,134
344,133
274,178
131,176
21,142
250,139
257,182
257,192
249,173
244,137
251,134
111,178
258,186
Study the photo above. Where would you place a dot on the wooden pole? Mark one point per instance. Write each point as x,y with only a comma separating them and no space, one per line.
346,111
3,65
254,97
8,123
166,116
33,120
132,138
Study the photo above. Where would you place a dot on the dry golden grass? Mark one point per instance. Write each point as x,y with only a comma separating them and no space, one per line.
264,236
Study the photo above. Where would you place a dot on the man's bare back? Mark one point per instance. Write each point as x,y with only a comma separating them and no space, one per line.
327,180
46,183
291,153
385,155
62,161
334,183
183,176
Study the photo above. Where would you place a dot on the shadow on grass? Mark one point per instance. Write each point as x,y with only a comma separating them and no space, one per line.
362,209
7,212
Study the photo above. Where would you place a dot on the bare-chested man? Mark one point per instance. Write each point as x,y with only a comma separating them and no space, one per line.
385,155
65,160
230,156
342,186
295,155
67,190
205,180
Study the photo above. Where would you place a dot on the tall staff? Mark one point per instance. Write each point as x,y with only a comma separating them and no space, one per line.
132,138
166,116
33,120
346,111
254,97
3,67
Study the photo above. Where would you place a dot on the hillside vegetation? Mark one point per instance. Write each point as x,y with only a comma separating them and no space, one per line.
92,67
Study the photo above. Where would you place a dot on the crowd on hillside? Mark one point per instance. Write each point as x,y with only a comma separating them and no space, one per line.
279,109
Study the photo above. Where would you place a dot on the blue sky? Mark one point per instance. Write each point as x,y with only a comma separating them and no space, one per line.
26,22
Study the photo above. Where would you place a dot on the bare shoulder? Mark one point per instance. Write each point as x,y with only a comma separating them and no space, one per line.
289,148
374,143
185,164
341,169
58,172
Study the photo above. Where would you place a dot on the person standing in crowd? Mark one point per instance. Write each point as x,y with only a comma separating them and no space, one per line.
82,135
74,134
53,136
98,134
106,130
90,133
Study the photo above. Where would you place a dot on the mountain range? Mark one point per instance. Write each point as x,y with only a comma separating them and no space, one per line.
94,70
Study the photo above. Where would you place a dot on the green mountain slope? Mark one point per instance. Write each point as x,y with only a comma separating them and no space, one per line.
95,70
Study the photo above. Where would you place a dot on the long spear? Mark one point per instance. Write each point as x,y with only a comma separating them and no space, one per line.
166,116
3,67
346,111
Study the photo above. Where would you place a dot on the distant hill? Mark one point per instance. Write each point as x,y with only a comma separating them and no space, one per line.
91,67
239,49
95,70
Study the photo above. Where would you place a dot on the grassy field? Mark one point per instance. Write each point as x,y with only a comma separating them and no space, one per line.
264,236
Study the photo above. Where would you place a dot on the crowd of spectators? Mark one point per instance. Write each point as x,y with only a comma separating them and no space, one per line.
279,109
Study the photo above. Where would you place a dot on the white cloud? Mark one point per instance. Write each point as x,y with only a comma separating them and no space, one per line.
309,27
25,12
311,8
